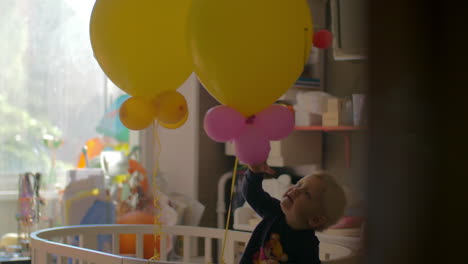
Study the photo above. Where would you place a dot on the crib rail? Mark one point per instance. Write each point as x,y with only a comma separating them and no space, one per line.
55,243
79,244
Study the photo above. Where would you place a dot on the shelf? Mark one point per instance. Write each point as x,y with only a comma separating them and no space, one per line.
327,129
335,129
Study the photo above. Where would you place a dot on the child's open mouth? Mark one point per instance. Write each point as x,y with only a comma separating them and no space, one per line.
289,198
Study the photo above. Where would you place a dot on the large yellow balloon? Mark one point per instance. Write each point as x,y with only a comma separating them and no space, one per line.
247,53
141,45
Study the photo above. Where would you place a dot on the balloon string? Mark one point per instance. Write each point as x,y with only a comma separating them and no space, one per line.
157,208
234,173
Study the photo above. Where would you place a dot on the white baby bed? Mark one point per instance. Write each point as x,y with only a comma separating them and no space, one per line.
49,246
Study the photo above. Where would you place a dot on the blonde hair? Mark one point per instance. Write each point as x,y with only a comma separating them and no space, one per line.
333,199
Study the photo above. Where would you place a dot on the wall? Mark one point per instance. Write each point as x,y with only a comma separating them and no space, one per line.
178,160
344,78
190,161
212,163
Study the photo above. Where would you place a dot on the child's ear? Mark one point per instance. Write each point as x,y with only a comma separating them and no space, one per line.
317,221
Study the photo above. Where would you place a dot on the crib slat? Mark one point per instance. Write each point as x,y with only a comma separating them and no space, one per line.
69,240
49,258
88,241
116,244
40,256
229,253
139,245
208,250
60,260
162,247
187,249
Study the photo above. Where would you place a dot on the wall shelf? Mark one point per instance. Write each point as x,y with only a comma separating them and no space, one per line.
327,129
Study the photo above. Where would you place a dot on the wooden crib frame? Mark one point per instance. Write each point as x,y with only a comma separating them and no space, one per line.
52,245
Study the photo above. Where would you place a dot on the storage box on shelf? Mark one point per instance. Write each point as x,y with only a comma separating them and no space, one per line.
337,112
304,118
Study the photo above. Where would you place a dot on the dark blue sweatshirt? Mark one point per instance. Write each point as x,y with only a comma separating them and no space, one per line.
273,239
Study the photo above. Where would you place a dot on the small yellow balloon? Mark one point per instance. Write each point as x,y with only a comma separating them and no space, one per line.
136,113
176,125
247,53
170,107
142,45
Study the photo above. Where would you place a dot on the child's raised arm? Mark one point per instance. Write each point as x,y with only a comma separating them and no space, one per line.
261,168
253,192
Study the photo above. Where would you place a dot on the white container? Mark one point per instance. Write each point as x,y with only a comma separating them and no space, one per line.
347,113
303,118
311,101
358,106
307,119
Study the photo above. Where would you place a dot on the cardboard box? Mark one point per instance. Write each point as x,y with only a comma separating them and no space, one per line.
334,105
331,119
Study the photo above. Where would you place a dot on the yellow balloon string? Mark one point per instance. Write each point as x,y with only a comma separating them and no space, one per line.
157,213
306,36
234,174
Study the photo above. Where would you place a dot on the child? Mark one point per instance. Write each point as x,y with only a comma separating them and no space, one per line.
286,233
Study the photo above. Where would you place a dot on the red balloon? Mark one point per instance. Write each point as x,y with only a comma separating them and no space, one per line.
323,39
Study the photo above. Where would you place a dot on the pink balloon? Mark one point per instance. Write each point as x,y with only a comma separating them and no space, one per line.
223,123
252,147
276,122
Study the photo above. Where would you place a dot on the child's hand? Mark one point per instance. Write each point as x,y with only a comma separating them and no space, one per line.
261,168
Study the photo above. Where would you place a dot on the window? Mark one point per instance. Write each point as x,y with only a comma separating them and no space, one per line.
50,85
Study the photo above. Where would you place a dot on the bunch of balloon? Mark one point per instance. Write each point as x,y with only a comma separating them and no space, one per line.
247,53
142,47
169,108
251,135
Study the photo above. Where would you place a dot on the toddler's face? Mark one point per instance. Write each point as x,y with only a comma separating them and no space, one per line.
303,200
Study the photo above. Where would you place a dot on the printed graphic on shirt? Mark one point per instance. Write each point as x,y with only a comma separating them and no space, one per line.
271,253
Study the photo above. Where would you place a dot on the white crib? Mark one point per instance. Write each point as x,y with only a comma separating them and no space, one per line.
52,246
